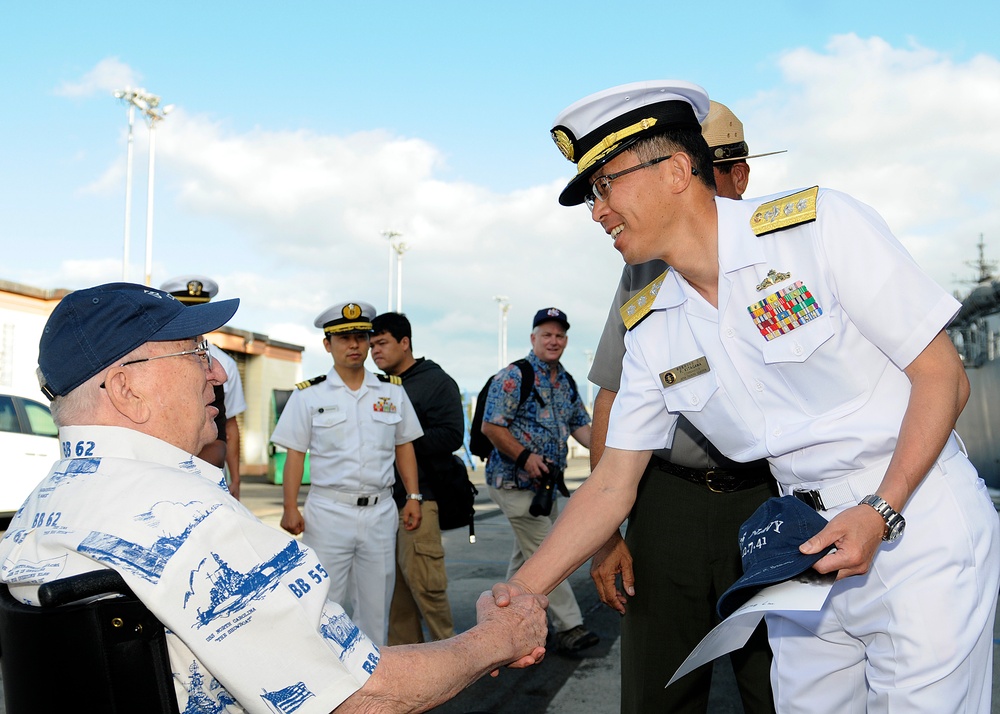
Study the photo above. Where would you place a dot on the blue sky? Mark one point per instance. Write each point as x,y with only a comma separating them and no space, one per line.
301,132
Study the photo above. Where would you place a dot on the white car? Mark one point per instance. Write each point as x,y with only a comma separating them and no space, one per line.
29,445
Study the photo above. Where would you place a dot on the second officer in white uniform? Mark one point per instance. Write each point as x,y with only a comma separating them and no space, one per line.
355,425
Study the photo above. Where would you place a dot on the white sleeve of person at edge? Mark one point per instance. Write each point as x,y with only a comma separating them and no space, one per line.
805,593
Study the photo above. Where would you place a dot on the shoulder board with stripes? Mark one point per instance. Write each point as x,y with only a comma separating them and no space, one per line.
390,378
311,382
785,212
635,310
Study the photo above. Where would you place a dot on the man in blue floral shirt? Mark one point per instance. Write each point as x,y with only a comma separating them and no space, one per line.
529,436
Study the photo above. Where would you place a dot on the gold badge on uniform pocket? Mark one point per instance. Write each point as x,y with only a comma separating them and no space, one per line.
674,375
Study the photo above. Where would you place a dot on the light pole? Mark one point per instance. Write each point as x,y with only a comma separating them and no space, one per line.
503,304
149,105
390,235
400,248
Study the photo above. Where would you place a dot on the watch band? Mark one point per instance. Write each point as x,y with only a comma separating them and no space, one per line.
415,497
894,522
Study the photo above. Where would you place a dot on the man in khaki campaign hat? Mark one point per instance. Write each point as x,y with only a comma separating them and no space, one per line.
225,451
798,329
355,425
667,595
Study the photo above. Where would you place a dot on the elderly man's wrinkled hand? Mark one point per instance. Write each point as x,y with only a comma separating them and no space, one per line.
519,628
611,560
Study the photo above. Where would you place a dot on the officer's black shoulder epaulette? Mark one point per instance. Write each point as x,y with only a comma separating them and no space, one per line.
390,378
635,310
311,382
785,212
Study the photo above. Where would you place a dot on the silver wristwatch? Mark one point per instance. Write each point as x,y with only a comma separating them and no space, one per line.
419,497
894,523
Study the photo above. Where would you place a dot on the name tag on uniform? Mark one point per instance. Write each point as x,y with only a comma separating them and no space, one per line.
686,371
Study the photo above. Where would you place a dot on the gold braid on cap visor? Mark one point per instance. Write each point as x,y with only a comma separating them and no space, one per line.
348,327
610,142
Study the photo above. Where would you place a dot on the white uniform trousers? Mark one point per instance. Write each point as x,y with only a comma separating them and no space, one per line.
529,532
357,546
913,634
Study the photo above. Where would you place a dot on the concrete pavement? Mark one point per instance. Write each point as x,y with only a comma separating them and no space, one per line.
561,684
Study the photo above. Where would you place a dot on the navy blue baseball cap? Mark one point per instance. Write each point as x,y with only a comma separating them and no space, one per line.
769,544
547,314
91,329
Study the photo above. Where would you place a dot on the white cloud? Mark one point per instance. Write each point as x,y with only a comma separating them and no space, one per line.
312,207
905,129
291,221
109,75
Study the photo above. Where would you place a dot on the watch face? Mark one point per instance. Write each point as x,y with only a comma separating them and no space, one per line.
896,529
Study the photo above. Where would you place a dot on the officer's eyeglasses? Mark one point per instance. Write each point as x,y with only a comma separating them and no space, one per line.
601,188
201,350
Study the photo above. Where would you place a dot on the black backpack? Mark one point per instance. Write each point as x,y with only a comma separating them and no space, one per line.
455,495
481,446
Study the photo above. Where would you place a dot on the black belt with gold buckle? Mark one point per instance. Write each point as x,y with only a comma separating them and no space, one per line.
716,479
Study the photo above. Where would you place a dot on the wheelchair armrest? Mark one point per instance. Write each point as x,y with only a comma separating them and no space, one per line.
82,586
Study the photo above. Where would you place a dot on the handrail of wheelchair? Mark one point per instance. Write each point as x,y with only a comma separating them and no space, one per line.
81,587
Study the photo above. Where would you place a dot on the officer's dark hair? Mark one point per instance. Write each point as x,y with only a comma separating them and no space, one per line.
672,141
395,323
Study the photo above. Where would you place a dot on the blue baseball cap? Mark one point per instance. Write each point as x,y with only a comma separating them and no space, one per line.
769,544
550,314
91,329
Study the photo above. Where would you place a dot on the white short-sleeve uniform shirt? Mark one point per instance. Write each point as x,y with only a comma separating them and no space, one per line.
235,400
821,399
351,437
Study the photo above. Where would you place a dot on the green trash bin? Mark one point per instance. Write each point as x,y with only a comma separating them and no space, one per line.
276,454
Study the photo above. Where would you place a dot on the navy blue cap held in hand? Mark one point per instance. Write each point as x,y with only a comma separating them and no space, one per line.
769,544
91,329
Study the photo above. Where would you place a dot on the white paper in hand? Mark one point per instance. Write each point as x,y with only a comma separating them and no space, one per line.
806,593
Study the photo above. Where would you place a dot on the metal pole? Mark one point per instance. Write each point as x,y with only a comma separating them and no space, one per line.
389,234
149,203
506,307
400,249
128,192
502,306
399,279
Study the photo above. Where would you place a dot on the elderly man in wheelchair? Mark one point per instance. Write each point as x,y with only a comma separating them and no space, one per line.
217,611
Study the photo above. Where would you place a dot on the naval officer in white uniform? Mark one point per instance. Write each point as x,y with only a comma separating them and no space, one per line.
354,425
197,290
797,329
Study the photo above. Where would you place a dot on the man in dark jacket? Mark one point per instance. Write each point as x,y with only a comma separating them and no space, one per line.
421,581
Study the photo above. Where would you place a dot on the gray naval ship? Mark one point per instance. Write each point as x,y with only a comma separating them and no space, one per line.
975,331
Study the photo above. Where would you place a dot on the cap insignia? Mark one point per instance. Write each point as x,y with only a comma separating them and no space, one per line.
563,143
785,212
194,288
351,311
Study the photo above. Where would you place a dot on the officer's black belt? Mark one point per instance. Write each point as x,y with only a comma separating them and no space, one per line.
715,479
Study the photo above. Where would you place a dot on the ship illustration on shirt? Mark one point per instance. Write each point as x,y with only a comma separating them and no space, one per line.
146,562
230,590
201,700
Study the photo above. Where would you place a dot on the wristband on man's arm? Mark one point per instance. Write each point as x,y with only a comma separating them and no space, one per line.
522,459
